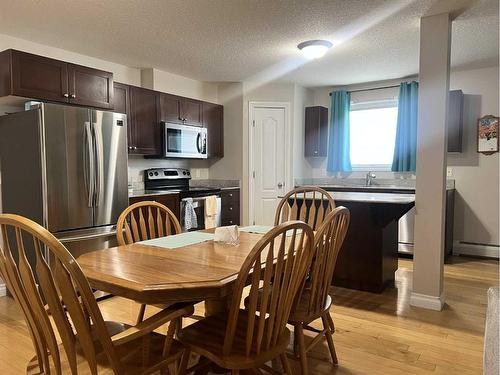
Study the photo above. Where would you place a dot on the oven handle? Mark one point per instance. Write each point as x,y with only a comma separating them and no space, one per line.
200,198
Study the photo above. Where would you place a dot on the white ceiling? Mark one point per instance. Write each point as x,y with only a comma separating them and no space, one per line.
239,40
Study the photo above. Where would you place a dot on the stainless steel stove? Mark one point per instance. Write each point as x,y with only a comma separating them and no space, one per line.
177,180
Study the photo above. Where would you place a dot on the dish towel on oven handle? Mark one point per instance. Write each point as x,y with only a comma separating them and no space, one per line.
190,219
210,212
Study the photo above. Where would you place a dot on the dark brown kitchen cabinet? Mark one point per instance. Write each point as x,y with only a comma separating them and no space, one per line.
230,206
144,130
214,122
316,131
180,110
170,108
171,201
34,76
192,111
90,87
121,98
37,77
455,120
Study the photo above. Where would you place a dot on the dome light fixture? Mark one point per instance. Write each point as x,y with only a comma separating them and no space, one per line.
314,49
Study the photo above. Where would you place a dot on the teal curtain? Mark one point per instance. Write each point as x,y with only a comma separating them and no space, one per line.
405,149
339,158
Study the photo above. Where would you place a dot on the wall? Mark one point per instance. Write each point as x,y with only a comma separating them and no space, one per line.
236,98
476,175
476,206
159,80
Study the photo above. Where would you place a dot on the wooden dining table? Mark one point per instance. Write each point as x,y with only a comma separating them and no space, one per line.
158,275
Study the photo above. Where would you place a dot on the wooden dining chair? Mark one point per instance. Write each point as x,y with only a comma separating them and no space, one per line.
57,300
145,221
247,339
312,210
313,301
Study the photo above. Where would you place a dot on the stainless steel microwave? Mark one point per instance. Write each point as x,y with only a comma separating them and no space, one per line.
185,141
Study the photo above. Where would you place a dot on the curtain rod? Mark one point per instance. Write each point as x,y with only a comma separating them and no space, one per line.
374,88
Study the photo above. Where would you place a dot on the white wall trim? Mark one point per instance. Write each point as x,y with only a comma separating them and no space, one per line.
3,290
460,248
427,302
288,148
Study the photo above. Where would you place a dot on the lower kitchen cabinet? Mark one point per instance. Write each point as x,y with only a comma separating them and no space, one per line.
170,200
230,207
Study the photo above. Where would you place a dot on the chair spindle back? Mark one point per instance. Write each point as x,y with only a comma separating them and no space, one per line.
144,221
312,210
282,256
51,281
327,244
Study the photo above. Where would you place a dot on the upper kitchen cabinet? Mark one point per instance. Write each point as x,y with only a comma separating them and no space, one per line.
214,122
32,76
90,87
192,111
180,110
144,129
37,77
170,108
121,98
316,131
455,120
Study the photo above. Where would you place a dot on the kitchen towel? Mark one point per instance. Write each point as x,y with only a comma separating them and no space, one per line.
210,212
179,240
190,219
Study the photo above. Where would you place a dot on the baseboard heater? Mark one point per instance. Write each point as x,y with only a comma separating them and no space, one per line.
476,249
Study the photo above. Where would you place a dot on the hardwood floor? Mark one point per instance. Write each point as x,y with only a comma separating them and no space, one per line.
376,334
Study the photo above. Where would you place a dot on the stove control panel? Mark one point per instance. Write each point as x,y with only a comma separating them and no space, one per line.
166,174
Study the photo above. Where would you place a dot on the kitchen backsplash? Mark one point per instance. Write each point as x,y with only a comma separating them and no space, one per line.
137,165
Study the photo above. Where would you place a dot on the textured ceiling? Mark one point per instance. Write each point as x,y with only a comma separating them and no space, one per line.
238,40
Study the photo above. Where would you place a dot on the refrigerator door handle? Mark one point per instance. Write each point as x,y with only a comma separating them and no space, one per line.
89,163
99,166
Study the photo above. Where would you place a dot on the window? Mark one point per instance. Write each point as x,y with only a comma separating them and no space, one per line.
373,134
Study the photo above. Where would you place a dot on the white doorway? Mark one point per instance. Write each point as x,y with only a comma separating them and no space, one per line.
268,159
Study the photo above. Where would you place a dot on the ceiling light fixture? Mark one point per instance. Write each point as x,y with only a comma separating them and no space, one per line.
314,49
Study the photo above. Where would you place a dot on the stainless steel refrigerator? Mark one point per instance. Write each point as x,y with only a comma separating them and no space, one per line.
66,168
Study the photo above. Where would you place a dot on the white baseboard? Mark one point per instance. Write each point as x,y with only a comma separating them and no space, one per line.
461,248
3,290
427,302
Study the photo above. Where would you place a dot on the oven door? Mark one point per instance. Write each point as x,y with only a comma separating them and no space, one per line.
184,141
199,209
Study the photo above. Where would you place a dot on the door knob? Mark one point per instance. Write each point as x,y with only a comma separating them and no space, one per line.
280,185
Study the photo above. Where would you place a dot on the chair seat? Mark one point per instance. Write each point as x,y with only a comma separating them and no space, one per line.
130,354
206,337
300,313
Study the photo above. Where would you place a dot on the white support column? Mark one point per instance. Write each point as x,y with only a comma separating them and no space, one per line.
435,43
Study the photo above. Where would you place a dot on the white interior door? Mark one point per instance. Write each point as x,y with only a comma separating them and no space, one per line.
268,162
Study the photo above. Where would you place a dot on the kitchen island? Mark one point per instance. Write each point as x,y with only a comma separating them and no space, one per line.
368,259
369,256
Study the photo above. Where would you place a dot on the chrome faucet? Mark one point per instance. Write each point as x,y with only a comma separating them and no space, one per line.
370,176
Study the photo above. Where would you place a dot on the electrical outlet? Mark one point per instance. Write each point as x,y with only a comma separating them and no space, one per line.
449,172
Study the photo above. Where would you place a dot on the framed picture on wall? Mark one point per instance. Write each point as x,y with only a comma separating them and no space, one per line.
487,134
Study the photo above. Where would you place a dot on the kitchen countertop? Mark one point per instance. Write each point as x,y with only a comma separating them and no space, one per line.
373,197
347,196
145,193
